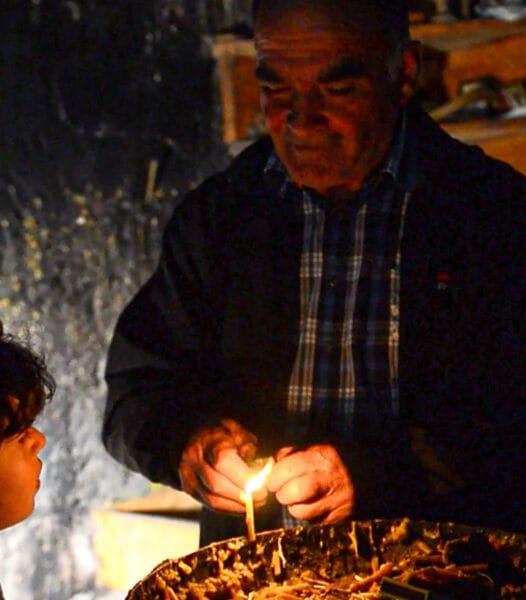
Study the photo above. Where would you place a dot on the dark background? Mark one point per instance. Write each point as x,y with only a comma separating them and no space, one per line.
90,93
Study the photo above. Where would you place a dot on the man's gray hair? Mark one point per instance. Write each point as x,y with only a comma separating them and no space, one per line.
395,15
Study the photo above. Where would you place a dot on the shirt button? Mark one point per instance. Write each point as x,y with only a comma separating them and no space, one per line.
333,283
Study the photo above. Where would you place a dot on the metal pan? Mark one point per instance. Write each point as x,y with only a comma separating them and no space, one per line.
219,570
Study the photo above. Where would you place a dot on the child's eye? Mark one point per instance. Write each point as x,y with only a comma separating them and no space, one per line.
23,435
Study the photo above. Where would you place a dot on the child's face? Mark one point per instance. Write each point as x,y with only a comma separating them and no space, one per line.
19,471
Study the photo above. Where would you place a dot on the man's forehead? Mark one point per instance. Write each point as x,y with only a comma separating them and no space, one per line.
291,22
323,62
314,34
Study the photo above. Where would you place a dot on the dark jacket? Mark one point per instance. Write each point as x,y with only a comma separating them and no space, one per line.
213,334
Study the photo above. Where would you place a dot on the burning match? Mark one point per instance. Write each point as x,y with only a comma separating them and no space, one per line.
252,485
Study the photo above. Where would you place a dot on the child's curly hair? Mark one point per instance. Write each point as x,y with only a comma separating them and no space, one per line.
25,385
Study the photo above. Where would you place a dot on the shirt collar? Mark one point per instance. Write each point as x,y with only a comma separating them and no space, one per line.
399,164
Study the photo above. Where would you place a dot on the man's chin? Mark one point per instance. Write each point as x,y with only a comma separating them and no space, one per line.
314,179
323,178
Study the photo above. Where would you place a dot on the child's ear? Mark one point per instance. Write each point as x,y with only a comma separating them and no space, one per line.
410,71
14,402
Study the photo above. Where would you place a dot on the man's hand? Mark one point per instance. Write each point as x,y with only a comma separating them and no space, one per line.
213,466
313,482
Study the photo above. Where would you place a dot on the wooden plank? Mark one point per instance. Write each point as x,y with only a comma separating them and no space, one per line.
165,500
128,545
463,51
132,537
238,86
502,139
504,59
511,150
458,34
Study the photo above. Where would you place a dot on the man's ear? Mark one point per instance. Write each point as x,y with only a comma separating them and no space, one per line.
410,71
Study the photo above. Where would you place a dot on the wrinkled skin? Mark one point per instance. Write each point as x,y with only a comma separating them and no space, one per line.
313,482
214,470
330,91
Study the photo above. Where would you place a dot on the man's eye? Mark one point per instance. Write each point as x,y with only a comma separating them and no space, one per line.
340,90
273,89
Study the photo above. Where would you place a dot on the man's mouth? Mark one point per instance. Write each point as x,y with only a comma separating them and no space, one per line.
301,147
307,151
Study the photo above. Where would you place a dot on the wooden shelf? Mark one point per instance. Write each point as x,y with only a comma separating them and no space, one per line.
240,107
463,51
502,139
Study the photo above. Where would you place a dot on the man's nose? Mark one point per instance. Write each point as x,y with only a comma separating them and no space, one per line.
306,111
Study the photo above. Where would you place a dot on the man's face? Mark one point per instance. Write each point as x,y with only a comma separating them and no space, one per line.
19,472
328,91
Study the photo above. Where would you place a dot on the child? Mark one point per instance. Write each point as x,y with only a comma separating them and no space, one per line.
25,386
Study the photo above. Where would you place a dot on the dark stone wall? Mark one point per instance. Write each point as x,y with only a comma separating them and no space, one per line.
91,92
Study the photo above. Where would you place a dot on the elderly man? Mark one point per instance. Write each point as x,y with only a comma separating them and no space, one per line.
347,297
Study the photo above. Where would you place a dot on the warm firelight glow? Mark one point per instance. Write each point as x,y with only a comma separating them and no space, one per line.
258,481
252,485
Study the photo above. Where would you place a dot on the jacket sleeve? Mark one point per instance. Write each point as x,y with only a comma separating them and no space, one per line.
164,372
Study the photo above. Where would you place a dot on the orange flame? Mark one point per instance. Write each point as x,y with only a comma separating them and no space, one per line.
258,480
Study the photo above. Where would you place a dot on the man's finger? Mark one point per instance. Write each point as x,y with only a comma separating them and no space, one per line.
306,488
233,467
219,493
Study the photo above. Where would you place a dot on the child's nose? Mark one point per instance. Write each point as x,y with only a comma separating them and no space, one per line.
38,439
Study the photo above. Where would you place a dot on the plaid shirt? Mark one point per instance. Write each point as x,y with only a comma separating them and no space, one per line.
344,380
